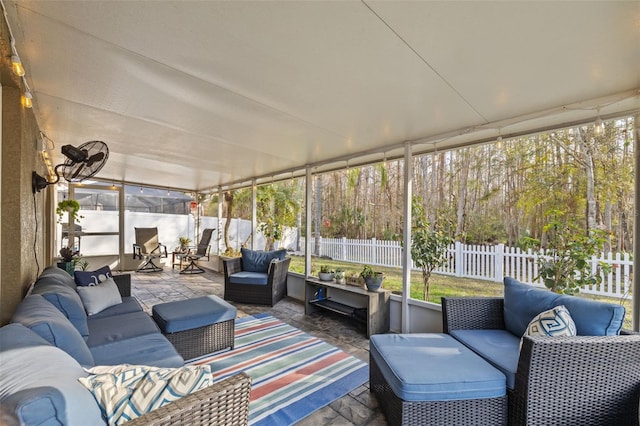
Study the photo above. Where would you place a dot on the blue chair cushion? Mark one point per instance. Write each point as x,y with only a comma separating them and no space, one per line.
188,314
243,277
258,261
49,323
523,302
434,367
150,349
39,382
85,278
67,300
593,318
498,347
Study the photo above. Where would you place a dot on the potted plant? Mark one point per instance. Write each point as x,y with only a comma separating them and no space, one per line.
326,273
372,279
353,278
340,276
68,206
184,244
68,262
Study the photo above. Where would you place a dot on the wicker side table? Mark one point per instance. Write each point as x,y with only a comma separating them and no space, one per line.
198,326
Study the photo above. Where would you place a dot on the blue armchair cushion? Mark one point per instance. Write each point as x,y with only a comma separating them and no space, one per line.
66,300
522,303
593,318
39,383
258,261
84,278
452,372
49,323
255,278
189,314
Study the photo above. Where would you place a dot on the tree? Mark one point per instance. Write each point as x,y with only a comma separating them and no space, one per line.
429,243
564,266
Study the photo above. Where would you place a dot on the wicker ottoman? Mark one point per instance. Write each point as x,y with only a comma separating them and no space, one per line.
197,326
432,379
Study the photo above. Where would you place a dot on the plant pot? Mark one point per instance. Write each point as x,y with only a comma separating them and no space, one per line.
325,276
67,266
374,283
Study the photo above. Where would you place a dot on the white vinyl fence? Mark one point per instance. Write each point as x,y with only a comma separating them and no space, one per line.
491,263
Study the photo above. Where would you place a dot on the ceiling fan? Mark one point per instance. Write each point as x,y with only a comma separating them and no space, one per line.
81,163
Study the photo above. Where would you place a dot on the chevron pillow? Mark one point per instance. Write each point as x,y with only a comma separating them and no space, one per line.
125,392
556,321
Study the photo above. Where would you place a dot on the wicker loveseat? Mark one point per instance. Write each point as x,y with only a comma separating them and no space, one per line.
582,380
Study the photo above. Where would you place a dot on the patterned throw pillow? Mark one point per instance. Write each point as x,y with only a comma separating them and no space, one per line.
125,392
554,322
92,277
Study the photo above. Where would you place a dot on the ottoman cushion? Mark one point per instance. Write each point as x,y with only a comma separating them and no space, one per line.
173,317
434,367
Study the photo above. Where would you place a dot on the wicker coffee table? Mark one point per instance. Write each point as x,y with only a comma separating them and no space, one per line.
198,326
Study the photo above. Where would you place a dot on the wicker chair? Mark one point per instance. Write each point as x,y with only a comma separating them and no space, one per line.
225,403
269,294
582,380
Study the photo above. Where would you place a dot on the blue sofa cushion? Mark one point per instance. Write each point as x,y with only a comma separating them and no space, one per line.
49,323
446,370
258,261
498,347
85,278
58,275
522,303
150,349
243,277
66,300
122,327
593,318
188,314
39,382
128,305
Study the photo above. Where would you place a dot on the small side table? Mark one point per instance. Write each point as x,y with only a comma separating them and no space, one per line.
180,255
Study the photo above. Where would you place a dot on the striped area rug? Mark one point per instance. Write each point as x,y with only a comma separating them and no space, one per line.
293,373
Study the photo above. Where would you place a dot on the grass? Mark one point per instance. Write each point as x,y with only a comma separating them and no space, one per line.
439,285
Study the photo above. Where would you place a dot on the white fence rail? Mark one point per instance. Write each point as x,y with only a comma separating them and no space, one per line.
491,263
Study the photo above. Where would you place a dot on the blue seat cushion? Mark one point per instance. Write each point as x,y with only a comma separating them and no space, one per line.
244,277
498,347
434,367
188,314
258,261
128,305
150,349
37,314
122,327
522,303
593,318
39,382
67,300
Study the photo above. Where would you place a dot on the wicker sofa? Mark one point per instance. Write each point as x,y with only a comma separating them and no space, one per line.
583,380
43,352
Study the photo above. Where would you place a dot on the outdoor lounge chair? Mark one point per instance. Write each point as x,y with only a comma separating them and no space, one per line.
201,250
148,248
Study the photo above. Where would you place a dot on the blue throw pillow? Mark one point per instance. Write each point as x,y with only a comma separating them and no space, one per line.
258,261
592,317
522,303
85,278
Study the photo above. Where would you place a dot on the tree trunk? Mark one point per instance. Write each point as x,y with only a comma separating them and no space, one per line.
228,203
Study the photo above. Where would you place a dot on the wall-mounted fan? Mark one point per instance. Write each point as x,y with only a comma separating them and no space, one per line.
82,163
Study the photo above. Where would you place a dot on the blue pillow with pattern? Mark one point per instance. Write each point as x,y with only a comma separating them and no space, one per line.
86,278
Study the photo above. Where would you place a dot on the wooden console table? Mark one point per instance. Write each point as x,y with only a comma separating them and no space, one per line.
368,307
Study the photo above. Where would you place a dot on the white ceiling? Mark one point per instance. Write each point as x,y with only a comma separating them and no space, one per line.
199,94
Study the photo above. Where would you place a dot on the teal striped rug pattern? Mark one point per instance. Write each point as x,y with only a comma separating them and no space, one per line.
293,373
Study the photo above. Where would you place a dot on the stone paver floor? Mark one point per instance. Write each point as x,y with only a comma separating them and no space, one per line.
359,407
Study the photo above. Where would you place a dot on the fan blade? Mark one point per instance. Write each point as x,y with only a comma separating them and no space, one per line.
95,157
80,167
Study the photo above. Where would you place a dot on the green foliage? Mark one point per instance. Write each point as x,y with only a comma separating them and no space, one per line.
68,206
367,272
326,269
184,241
429,243
565,265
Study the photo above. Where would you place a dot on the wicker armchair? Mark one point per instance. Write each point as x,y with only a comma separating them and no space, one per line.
582,380
225,403
269,294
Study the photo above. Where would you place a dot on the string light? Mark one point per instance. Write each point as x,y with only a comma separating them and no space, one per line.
16,66
27,99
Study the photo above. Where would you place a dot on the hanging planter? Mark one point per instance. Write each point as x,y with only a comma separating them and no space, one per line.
68,206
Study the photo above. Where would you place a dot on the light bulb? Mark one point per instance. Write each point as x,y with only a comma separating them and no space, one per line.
27,100
16,66
598,126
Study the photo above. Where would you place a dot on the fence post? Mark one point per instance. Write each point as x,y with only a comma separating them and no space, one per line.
459,259
344,248
499,263
374,252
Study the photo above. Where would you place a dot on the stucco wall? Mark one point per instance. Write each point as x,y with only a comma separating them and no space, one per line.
18,159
